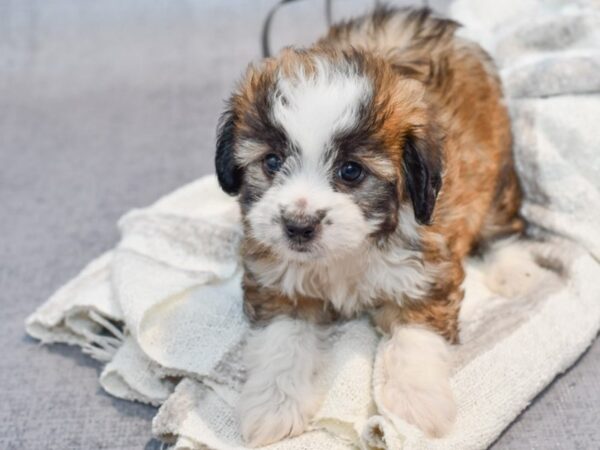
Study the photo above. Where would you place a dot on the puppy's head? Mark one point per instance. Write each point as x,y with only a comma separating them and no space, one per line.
325,149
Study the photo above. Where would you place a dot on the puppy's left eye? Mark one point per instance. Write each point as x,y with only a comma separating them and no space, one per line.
272,163
351,172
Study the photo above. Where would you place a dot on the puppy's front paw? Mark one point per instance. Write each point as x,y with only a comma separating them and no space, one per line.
415,380
430,408
280,396
270,416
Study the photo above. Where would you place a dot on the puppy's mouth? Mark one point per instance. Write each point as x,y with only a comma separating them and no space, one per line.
299,247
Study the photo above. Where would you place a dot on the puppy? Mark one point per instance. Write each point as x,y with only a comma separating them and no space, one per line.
367,167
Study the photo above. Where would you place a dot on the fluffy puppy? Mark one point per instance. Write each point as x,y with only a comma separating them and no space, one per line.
367,167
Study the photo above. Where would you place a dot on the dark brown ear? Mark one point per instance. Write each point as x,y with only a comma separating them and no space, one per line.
422,163
228,172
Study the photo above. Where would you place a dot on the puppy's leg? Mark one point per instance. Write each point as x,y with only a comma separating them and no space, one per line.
414,360
279,395
415,386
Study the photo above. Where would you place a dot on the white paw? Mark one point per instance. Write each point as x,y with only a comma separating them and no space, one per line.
415,380
270,415
280,396
430,408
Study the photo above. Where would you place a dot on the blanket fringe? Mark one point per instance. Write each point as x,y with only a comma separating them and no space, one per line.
108,325
103,347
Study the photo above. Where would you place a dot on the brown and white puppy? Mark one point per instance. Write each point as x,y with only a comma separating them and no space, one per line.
367,166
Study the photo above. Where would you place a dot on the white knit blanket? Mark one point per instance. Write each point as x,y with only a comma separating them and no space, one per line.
164,309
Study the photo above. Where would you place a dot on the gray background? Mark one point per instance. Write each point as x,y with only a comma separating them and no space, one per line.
105,106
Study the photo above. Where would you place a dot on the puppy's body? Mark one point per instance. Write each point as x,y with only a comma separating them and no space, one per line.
420,113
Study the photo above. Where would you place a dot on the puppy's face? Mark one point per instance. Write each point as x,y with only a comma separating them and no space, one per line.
325,150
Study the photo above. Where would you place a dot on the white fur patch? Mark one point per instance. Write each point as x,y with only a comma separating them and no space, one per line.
279,396
511,270
352,281
312,108
412,379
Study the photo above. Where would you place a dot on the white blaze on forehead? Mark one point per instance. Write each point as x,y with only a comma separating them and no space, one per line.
313,108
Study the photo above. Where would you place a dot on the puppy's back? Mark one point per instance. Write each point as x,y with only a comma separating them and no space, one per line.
409,38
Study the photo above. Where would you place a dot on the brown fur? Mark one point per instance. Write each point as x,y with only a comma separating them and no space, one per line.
443,93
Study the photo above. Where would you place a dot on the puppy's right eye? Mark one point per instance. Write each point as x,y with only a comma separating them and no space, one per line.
272,163
351,172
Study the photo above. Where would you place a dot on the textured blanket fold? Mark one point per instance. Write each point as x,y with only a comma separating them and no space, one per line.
163,309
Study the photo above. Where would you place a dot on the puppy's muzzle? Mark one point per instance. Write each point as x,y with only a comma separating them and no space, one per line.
301,230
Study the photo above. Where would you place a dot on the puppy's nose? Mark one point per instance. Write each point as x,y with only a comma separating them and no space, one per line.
300,231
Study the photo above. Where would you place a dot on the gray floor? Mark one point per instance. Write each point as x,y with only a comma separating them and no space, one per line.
105,106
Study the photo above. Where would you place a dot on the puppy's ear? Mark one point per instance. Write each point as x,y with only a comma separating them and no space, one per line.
422,164
228,172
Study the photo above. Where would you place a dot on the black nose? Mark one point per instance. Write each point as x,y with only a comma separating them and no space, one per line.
300,232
